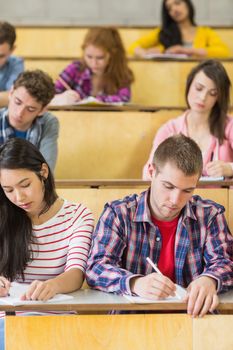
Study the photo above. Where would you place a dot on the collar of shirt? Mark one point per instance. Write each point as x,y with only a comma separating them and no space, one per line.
142,213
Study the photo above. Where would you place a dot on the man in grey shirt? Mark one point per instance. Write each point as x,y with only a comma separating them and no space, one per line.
27,117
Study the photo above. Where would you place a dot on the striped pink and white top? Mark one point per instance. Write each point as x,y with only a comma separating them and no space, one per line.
61,243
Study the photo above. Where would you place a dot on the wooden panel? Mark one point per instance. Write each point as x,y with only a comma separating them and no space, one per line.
227,36
52,67
219,195
95,199
213,333
50,42
157,83
110,332
163,83
66,42
106,145
87,196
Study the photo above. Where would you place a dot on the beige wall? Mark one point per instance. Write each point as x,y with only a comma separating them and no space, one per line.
124,12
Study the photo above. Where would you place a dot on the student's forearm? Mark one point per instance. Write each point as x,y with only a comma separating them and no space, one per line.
69,281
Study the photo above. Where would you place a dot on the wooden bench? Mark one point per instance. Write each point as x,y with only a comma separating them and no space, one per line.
114,332
106,145
66,41
158,83
96,198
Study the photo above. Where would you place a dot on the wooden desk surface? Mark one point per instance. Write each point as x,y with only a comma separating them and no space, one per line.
74,183
109,108
89,300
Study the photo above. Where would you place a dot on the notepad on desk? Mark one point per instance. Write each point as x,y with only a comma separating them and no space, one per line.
92,101
165,56
139,300
18,289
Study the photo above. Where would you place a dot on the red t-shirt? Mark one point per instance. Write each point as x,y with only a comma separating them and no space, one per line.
166,263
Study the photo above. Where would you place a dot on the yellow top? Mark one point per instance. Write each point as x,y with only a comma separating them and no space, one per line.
205,38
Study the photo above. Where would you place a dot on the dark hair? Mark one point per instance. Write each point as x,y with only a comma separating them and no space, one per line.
38,84
7,34
170,33
215,71
181,151
117,74
16,226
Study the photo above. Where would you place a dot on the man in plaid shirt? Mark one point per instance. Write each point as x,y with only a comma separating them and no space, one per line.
186,236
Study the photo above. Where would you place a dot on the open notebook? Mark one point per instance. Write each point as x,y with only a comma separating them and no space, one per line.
165,56
18,289
139,300
92,101
211,178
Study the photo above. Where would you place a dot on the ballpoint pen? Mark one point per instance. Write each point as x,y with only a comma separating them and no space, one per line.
158,271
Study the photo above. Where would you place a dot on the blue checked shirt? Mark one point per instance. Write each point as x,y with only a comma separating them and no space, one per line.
125,236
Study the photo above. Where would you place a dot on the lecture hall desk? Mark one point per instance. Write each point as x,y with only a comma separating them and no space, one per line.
95,329
157,82
35,41
107,142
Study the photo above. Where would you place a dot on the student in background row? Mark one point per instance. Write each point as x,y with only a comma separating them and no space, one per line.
10,66
45,239
27,117
206,121
102,72
186,236
179,34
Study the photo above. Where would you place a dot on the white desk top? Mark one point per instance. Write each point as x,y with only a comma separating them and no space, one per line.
88,300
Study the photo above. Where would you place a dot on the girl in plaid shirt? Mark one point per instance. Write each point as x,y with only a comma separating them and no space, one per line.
102,72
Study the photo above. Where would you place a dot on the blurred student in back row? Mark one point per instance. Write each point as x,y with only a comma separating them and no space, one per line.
179,34
10,66
102,72
27,117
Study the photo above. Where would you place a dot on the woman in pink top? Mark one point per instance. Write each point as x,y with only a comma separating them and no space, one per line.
206,121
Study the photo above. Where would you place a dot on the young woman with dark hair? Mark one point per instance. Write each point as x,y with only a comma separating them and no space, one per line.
179,34
44,239
206,121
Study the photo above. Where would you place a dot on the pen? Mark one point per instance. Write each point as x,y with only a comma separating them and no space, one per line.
212,156
155,267
64,83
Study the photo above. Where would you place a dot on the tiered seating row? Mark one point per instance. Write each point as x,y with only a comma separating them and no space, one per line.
106,145
95,198
66,41
157,83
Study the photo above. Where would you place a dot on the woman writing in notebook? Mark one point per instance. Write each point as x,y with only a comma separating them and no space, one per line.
179,34
102,72
206,120
44,240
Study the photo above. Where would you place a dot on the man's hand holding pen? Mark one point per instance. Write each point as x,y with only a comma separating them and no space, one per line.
4,287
